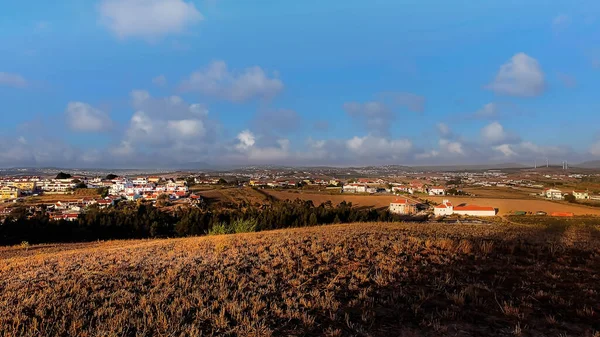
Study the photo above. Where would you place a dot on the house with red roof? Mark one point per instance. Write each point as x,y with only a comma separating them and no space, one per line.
403,206
447,208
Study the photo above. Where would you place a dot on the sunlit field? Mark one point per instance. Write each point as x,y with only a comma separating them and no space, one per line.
342,280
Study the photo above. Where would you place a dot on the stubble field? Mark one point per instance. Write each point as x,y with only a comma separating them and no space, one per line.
343,280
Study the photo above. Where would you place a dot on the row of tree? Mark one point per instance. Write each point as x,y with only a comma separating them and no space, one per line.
133,221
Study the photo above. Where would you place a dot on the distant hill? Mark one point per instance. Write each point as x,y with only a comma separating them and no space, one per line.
470,167
593,164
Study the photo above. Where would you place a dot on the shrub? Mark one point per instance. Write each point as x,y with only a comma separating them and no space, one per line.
219,229
243,226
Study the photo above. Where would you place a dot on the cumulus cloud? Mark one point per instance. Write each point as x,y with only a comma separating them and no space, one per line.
451,147
12,80
521,76
494,133
506,150
489,110
218,81
379,148
166,128
147,19
82,117
246,140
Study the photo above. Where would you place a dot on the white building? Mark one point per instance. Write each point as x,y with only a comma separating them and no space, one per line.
552,193
140,181
355,188
438,190
447,208
581,195
403,206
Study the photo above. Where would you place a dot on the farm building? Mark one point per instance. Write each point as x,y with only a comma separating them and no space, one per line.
552,193
438,190
581,195
403,206
447,208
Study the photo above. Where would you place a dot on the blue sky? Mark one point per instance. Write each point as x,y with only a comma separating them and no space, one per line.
154,83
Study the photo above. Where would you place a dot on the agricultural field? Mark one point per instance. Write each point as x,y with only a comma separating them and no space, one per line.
342,280
507,206
368,201
222,197
502,192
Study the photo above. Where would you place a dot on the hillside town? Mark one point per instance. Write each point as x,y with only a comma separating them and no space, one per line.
409,192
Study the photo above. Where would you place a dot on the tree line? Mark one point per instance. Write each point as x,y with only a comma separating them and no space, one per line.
138,221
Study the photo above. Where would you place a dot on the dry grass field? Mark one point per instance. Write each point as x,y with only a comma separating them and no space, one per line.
233,195
506,206
502,192
344,280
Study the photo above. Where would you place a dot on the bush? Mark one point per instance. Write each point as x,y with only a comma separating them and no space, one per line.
219,229
244,226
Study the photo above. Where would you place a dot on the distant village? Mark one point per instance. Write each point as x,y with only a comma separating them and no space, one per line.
407,190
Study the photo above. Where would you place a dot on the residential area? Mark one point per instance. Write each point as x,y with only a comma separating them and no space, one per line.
438,194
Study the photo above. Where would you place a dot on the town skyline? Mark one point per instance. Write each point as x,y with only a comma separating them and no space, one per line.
198,84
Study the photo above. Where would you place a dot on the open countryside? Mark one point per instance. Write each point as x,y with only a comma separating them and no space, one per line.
340,280
509,206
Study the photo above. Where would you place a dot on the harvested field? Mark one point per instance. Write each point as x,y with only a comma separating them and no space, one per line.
507,206
221,197
502,192
375,201
344,280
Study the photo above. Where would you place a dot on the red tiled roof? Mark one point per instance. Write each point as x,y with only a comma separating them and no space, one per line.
440,206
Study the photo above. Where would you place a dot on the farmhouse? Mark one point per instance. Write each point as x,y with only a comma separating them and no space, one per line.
403,206
581,195
355,188
552,193
438,190
447,208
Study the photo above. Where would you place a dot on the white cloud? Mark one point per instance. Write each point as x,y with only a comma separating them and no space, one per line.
167,127
489,110
216,80
12,80
451,147
246,140
494,133
521,76
377,147
186,128
148,19
160,80
506,150
83,117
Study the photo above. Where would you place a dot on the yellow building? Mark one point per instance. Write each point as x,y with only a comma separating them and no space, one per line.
8,192
24,185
